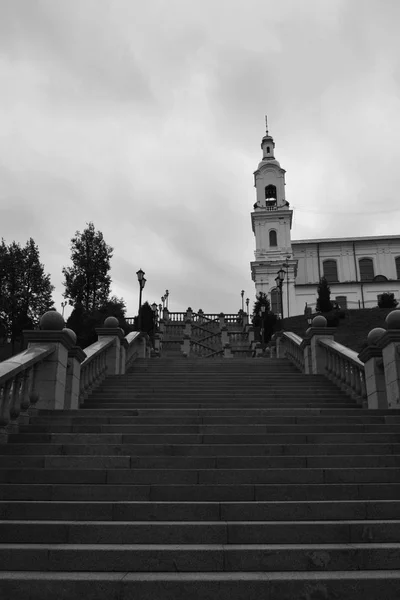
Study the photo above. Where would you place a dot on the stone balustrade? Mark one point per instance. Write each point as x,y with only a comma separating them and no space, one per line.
54,373
372,377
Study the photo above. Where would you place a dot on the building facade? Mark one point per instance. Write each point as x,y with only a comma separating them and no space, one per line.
358,269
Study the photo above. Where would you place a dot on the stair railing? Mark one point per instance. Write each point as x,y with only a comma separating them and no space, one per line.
345,369
19,392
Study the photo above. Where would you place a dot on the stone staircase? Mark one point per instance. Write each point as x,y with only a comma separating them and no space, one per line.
203,480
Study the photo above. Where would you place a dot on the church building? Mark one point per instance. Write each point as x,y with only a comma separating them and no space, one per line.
357,269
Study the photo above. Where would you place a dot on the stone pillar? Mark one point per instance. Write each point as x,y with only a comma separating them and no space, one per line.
228,351
245,320
319,331
52,372
188,328
251,333
72,386
221,321
224,336
112,331
258,349
162,326
375,384
280,349
390,345
185,346
189,314
166,314
306,347
157,344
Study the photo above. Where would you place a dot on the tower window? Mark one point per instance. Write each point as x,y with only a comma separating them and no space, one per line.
270,192
398,267
330,271
273,238
366,269
267,149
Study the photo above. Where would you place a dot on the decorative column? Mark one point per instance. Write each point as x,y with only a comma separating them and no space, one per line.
390,345
72,385
319,331
51,376
375,384
111,331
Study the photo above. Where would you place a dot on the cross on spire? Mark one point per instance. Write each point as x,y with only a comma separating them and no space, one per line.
266,124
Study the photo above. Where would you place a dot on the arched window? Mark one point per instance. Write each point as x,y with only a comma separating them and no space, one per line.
270,192
398,267
330,271
275,301
273,238
267,149
366,269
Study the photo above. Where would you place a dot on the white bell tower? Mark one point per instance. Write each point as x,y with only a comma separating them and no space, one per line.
271,220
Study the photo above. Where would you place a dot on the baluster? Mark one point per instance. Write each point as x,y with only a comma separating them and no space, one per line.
15,403
5,410
34,395
25,402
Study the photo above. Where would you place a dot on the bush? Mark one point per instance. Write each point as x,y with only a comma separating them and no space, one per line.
387,301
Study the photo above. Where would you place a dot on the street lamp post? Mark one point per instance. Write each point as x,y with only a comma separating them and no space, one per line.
247,305
166,298
154,309
242,294
262,315
163,300
142,282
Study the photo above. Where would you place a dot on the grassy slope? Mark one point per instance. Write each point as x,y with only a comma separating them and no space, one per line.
353,329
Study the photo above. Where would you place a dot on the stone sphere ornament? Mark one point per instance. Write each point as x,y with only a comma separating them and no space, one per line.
71,334
374,335
111,323
319,321
51,321
393,319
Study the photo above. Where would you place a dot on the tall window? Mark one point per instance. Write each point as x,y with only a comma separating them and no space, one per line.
275,301
270,192
398,267
366,269
273,238
330,271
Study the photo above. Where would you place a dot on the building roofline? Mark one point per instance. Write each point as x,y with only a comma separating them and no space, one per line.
345,239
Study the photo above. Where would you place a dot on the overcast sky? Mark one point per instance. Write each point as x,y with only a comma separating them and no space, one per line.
146,118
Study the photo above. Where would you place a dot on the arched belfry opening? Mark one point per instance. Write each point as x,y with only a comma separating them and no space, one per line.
270,196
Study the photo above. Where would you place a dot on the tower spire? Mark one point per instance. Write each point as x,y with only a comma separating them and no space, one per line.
266,124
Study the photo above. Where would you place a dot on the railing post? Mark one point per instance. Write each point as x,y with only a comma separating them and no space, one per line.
224,336
52,372
280,352
227,351
122,356
306,348
374,372
111,329
73,380
319,331
185,346
245,320
390,345
222,321
166,314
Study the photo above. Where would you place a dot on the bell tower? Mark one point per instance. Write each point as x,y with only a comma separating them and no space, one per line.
271,221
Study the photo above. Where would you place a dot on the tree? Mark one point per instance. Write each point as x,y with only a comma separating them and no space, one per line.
387,300
268,320
324,303
25,289
261,300
84,324
87,282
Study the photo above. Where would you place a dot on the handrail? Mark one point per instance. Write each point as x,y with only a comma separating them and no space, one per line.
294,352
345,369
18,393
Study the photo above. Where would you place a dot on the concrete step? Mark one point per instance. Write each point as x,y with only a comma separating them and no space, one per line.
201,492
150,449
201,476
209,428
346,585
204,532
199,557
285,510
198,462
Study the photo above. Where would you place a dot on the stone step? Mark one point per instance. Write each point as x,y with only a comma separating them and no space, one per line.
201,492
206,438
203,532
85,418
346,585
199,557
286,510
198,462
201,476
343,414
210,428
200,449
